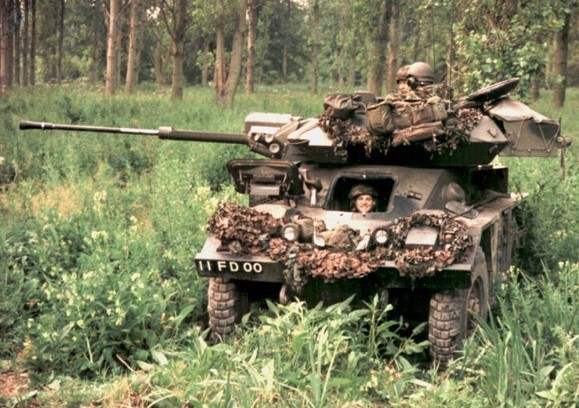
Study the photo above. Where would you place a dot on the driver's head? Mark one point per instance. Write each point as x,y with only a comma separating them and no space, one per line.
363,198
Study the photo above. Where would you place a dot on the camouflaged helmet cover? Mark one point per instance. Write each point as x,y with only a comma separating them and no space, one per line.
402,73
422,72
361,189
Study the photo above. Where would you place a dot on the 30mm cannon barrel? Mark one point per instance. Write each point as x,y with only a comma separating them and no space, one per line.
167,133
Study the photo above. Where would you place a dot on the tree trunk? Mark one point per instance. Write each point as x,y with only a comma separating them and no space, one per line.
5,51
286,30
3,56
535,87
205,68
119,55
560,66
25,46
315,47
111,75
393,47
236,56
159,61
341,69
130,80
16,44
177,47
60,42
377,54
9,32
252,34
138,46
219,72
33,44
351,66
96,48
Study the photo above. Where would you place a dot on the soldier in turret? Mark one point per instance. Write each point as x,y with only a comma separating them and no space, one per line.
414,82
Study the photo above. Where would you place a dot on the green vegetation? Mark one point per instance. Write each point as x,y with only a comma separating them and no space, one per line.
100,302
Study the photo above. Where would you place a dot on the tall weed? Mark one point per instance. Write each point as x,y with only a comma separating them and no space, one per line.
529,350
296,357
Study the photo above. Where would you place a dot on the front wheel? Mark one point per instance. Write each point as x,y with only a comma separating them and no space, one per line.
452,314
227,304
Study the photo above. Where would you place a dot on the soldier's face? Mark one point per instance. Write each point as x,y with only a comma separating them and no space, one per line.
364,203
403,87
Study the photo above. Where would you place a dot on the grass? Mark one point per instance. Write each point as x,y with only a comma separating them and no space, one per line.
100,303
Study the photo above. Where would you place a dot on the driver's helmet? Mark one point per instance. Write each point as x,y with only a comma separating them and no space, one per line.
421,73
361,189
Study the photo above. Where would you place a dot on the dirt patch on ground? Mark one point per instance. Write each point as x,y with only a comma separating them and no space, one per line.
63,199
14,386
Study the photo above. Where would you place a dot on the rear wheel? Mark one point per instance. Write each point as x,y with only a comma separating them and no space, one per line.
227,304
452,314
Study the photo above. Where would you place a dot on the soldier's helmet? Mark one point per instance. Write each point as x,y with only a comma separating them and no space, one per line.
420,73
361,189
402,73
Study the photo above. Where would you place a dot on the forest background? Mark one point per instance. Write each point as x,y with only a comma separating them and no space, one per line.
224,42
100,303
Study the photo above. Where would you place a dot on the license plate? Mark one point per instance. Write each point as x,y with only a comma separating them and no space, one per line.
229,266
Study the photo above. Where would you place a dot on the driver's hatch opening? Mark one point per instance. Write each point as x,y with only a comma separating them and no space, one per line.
339,199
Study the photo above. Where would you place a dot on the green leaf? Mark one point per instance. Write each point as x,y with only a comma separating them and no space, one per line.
159,357
144,366
186,311
420,383
550,395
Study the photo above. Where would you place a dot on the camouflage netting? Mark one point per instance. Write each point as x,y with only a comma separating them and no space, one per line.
421,262
455,130
246,230
344,133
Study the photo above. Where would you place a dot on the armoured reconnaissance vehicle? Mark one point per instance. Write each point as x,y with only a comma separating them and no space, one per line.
440,226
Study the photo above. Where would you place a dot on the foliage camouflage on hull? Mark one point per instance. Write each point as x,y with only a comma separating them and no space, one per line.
248,231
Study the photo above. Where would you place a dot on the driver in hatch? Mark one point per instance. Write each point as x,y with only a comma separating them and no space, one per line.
363,198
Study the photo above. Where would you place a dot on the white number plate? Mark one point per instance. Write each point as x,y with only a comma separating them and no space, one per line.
229,266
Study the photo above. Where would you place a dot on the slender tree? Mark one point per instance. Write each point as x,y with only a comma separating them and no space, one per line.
226,81
16,49
393,45
130,81
286,31
111,50
251,35
561,54
60,42
315,45
5,52
174,15
3,23
206,63
25,46
32,75
97,45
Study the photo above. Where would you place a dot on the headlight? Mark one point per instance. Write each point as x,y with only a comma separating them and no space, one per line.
319,241
380,236
291,232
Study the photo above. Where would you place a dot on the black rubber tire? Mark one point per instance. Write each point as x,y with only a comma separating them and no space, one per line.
226,305
449,320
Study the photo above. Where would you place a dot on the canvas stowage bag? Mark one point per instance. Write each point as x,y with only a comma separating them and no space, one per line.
379,118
